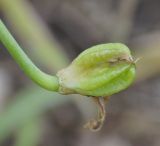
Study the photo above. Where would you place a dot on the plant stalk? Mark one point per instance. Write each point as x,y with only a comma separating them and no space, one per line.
46,81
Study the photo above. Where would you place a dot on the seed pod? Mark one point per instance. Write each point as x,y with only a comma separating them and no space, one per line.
101,70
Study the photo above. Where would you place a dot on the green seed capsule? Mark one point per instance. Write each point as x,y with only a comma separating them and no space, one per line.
101,70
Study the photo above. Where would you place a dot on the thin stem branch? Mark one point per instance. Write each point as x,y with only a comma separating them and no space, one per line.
44,80
27,24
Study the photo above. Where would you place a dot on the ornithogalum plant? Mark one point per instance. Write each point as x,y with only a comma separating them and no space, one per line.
98,72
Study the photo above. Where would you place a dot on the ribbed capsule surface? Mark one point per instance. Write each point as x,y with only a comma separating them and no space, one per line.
101,70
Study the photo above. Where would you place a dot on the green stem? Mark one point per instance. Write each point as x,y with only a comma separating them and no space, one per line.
44,80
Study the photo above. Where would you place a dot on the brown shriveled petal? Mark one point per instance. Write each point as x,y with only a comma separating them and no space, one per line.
96,124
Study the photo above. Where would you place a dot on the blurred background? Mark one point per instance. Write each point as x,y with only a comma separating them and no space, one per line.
54,32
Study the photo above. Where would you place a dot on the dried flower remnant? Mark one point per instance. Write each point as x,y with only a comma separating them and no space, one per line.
96,124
